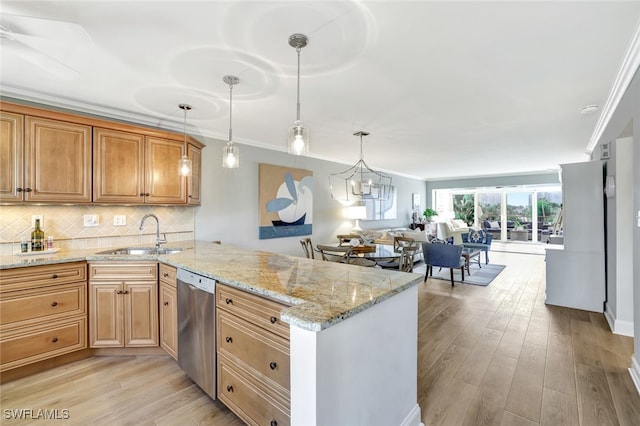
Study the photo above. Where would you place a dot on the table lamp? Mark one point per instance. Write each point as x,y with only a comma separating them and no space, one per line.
357,213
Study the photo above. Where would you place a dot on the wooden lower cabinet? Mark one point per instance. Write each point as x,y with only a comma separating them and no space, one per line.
168,310
43,313
253,357
123,304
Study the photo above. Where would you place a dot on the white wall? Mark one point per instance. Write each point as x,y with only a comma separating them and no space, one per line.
229,210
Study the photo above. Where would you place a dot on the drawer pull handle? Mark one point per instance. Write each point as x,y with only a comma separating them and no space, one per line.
273,365
164,274
166,303
274,423
54,276
54,340
228,301
273,320
229,388
54,304
228,339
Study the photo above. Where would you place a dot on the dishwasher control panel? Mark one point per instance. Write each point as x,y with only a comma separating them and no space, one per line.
201,282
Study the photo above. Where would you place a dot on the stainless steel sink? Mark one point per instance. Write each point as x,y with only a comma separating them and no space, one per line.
141,251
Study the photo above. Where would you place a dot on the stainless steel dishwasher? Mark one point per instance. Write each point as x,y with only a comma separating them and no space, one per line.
197,329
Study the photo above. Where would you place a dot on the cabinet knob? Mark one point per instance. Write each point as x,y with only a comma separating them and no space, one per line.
54,340
274,423
272,365
125,292
164,274
273,320
28,190
54,304
229,388
146,194
19,190
228,301
119,292
54,276
228,339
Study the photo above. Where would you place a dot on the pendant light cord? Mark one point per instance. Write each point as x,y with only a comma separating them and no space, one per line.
298,105
184,145
230,110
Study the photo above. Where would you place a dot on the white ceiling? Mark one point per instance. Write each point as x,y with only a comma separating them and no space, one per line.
446,89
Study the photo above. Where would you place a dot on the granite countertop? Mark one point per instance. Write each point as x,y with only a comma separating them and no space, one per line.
321,294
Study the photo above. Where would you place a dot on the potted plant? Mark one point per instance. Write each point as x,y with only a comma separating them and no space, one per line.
429,213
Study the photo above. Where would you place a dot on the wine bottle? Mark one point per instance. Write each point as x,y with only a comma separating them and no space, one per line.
37,238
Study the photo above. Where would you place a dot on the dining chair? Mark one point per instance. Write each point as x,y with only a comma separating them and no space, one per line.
399,243
345,239
340,254
308,248
407,257
444,256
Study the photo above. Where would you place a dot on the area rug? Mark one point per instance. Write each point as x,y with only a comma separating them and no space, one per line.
477,276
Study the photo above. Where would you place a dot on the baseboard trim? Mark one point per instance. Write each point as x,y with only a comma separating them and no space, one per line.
624,328
634,371
413,418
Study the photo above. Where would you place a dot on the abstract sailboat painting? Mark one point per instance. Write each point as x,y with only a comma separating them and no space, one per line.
286,201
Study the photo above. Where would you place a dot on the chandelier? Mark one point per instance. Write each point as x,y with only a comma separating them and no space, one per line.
359,182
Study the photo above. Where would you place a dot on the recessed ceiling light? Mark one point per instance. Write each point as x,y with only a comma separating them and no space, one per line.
588,109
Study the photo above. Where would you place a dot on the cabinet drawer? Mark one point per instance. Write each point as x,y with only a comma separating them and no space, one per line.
24,307
22,346
249,398
168,274
132,271
268,354
36,276
255,309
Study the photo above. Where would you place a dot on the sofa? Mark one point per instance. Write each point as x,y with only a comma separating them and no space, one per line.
452,228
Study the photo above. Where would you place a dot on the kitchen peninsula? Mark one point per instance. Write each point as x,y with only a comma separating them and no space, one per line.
353,330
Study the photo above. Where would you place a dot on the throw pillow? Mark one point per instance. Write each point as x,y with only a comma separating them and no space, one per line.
477,236
494,224
458,223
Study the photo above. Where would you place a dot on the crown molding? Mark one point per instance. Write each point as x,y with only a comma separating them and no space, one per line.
629,67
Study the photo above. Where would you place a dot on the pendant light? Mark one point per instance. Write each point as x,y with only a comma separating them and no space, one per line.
359,182
230,153
184,164
298,138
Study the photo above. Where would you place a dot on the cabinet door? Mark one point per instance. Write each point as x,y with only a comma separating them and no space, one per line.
193,188
141,314
169,319
105,315
163,184
11,156
57,161
118,166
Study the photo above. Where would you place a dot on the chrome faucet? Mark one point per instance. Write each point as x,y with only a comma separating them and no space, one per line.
158,239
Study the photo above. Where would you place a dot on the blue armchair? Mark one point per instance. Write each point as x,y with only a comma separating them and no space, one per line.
444,256
479,240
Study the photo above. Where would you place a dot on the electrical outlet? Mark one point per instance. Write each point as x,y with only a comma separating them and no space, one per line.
119,220
90,220
33,220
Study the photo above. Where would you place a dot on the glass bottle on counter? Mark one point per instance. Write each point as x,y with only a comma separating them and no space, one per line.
37,238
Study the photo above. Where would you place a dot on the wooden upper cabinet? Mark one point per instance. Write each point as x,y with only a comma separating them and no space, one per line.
57,166
194,181
11,159
118,166
163,184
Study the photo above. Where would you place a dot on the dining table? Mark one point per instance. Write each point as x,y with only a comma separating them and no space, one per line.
373,251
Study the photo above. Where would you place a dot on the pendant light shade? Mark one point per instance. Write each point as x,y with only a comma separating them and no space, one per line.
230,153
298,137
184,164
359,182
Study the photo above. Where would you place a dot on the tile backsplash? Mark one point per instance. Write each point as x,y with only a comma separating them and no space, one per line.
66,225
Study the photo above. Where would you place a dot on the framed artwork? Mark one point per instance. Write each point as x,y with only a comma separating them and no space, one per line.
415,200
382,209
285,199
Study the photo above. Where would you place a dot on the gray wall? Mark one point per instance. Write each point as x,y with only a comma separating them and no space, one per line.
229,210
628,111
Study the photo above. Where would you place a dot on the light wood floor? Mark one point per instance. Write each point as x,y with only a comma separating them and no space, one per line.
487,355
